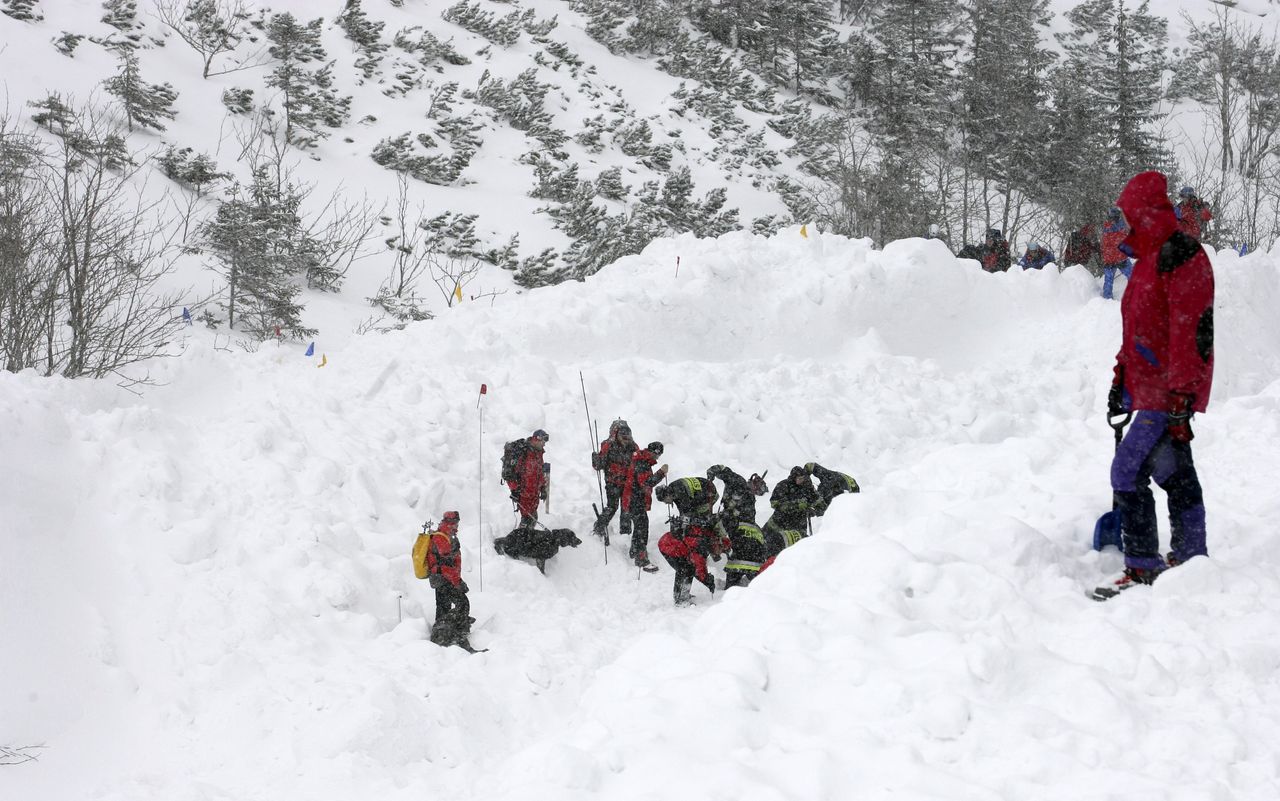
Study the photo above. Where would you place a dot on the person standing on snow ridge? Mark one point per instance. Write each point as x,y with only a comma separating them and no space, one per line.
1082,248
530,484
737,522
443,557
614,458
1036,256
995,252
1163,372
1192,212
637,498
692,537
1114,231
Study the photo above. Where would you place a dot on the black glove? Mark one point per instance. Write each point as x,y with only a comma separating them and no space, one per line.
1115,401
463,586
437,581
709,581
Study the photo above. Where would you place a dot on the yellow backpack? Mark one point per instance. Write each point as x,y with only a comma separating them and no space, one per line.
420,548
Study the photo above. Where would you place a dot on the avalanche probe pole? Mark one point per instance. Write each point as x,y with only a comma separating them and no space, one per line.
484,390
592,436
605,539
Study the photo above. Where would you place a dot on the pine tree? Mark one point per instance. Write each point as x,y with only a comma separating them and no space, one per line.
22,10
145,104
310,103
1118,53
792,42
256,237
120,14
367,36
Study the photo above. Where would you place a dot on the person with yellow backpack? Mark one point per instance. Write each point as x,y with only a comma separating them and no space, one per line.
437,557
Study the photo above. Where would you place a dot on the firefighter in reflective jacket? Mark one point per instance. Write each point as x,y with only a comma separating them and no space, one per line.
692,537
831,483
794,501
442,555
737,521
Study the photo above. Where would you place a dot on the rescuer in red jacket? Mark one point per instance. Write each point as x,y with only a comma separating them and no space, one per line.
1163,373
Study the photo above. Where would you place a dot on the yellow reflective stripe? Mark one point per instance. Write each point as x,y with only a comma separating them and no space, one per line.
791,536
745,567
853,485
751,532
694,485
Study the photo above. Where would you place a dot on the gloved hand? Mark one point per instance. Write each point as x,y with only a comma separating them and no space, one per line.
1179,424
1115,398
596,462
462,585
709,581
437,581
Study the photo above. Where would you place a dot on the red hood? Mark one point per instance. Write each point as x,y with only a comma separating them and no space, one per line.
1146,207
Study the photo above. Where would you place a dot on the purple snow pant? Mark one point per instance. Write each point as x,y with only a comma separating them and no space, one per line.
1148,452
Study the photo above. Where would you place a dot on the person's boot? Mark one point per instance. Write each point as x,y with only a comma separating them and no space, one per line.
642,562
683,596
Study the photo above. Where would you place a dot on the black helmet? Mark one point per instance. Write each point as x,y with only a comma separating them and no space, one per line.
655,448
542,435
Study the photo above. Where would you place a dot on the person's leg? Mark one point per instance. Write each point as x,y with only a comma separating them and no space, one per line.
1176,475
1108,281
1131,471
639,536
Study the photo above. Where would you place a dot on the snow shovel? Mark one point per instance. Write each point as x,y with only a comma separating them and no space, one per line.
1107,531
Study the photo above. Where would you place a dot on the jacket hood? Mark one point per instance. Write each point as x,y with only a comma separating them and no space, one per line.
1146,207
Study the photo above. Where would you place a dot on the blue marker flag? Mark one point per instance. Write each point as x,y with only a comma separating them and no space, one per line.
186,315
311,350
1244,248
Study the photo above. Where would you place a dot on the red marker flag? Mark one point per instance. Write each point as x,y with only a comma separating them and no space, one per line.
484,390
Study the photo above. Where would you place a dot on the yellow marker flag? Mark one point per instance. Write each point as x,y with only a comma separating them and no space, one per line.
457,292
324,359
804,231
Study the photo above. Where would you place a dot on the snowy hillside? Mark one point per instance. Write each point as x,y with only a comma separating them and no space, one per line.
204,585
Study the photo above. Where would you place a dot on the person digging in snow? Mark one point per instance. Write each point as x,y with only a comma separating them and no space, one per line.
831,484
692,537
1163,373
793,500
737,522
637,499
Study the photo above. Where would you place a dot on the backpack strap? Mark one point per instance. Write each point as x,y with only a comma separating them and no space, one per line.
1177,250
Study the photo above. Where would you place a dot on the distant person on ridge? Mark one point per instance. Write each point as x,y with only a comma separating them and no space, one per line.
995,252
1083,248
1036,256
614,458
637,499
1163,373
1193,213
1114,232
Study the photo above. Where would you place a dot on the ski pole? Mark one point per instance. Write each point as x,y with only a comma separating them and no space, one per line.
605,540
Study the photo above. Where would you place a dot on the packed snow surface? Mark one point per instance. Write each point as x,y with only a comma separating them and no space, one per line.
207,591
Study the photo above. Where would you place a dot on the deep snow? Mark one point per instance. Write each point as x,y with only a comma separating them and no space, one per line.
201,583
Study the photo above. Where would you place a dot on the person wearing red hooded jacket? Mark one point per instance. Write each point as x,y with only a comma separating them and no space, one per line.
1163,373
530,485
1192,212
444,573
637,499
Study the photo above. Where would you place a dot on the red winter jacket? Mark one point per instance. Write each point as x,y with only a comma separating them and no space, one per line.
527,488
1192,214
1113,233
444,556
695,546
615,459
640,480
1167,309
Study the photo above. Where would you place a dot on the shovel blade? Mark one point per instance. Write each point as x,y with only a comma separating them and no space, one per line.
1107,531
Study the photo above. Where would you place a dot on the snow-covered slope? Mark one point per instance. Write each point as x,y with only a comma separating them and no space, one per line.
203,586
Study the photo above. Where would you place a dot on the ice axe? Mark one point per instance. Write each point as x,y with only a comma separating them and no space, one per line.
1107,531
